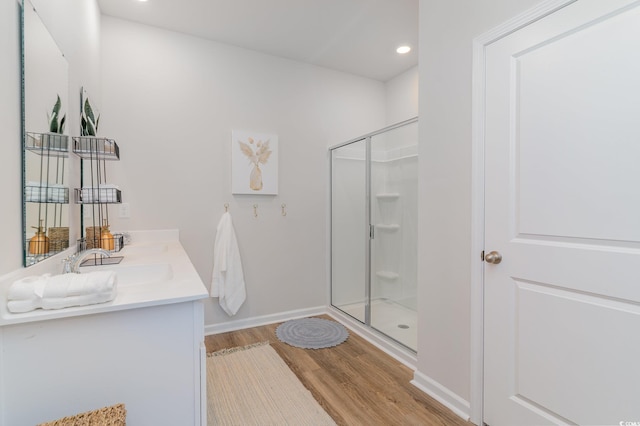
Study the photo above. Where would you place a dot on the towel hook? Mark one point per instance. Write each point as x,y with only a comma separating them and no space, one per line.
284,209
226,207
255,210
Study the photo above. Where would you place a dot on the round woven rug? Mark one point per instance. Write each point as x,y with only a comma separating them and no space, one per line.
312,333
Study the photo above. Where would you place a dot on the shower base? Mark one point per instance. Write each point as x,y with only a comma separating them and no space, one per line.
390,318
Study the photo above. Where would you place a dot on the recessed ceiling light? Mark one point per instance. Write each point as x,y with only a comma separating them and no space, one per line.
403,49
142,1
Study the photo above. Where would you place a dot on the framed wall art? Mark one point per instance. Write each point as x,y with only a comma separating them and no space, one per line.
254,163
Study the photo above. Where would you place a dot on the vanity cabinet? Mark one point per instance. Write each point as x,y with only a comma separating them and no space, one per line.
150,359
144,349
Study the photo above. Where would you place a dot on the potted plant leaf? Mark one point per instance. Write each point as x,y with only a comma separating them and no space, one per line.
52,140
88,122
89,141
56,126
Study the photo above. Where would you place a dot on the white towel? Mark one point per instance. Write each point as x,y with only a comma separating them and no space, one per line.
41,192
61,291
105,192
27,288
64,285
228,280
85,299
68,285
21,306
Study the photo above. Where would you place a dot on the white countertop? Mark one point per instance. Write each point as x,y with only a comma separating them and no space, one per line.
157,256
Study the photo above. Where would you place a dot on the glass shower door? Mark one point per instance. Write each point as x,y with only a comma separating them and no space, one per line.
394,246
349,229
374,230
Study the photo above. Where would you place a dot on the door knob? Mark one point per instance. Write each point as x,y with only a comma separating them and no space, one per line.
493,257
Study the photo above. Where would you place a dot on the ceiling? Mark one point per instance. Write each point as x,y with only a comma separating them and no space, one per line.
354,36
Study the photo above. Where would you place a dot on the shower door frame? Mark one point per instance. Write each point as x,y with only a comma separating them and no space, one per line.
370,232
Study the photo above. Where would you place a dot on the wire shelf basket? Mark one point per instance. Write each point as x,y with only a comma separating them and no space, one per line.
95,240
98,196
94,148
46,194
38,250
50,144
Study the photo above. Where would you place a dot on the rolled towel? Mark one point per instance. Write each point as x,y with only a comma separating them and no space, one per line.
41,192
57,194
33,193
85,299
70,285
105,192
20,306
27,288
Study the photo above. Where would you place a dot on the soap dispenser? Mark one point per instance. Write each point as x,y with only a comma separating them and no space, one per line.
39,243
106,238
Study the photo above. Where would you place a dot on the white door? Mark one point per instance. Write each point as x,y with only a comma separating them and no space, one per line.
562,207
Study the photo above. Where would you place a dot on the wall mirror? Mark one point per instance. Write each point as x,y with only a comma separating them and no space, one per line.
45,153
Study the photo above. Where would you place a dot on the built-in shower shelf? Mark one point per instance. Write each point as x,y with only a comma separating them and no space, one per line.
387,275
388,196
392,227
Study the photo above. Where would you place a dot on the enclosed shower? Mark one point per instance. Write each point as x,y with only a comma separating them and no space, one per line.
374,230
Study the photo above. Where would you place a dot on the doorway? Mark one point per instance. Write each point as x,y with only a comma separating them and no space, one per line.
557,208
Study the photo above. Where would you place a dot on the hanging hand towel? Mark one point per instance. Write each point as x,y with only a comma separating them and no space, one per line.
228,280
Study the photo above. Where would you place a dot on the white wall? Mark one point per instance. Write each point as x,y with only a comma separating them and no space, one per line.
402,96
10,157
75,25
171,101
447,28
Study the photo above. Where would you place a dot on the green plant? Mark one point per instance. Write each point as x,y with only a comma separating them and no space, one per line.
88,122
54,125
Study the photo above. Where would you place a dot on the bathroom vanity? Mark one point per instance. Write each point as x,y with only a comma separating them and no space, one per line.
144,349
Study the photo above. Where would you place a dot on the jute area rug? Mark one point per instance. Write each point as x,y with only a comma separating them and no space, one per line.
253,386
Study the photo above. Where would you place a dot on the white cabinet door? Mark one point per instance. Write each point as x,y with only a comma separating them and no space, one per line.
146,358
562,207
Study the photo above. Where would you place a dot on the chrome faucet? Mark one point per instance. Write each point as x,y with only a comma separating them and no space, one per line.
72,263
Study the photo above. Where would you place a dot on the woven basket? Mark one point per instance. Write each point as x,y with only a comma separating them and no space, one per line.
58,238
92,239
116,415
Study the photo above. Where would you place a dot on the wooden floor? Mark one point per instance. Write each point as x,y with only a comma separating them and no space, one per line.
355,382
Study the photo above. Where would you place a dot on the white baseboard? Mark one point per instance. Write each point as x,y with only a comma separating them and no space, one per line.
263,320
442,394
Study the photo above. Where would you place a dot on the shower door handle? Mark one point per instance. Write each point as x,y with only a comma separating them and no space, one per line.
372,231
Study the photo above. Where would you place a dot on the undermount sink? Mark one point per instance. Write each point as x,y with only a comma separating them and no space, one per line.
134,275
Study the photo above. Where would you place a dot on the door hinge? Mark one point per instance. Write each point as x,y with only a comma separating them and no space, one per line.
482,255
372,231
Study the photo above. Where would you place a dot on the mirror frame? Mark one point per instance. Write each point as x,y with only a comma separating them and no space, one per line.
44,153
